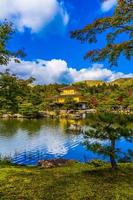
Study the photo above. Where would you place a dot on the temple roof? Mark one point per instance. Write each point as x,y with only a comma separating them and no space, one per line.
69,95
71,87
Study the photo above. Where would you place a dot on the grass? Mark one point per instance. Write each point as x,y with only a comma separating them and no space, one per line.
75,182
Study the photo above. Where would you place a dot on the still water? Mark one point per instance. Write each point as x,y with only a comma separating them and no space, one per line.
27,141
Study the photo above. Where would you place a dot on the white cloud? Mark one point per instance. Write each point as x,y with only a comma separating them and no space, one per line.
108,5
57,71
32,14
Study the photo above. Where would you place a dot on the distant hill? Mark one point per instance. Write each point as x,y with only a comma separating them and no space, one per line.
124,82
90,83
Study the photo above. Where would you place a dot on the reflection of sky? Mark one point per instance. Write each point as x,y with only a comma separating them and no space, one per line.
50,140
125,145
47,142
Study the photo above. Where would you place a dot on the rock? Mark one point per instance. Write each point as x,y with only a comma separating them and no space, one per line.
55,163
6,116
75,127
17,115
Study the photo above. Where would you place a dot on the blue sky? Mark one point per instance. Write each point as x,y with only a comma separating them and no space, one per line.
43,29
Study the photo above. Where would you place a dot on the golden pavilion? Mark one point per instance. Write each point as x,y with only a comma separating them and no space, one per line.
70,93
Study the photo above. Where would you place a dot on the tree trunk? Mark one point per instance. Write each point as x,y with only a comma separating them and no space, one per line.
112,155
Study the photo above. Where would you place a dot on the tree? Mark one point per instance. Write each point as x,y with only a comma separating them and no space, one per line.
9,90
107,130
6,31
14,92
121,22
70,104
94,101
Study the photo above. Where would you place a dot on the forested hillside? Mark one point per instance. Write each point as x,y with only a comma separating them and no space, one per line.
23,97
115,95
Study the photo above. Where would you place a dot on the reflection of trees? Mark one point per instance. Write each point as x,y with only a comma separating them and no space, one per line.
108,129
31,126
10,127
65,124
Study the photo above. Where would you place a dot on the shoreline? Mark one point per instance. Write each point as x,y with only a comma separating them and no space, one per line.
72,114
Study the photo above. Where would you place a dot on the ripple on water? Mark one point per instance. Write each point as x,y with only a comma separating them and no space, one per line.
28,141
59,148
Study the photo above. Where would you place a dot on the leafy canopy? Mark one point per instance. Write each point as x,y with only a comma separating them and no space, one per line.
6,31
108,128
121,22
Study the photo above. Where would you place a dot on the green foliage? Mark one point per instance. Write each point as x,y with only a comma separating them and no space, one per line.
9,91
75,182
108,128
28,110
113,96
21,96
16,95
6,31
113,27
69,104
97,163
124,82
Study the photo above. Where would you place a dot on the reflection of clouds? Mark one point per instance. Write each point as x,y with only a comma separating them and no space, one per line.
54,143
56,148
49,141
11,145
91,141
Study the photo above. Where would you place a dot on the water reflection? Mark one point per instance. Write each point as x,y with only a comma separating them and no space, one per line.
22,139
28,141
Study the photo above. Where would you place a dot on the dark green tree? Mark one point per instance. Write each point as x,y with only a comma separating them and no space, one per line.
9,91
6,31
14,92
108,129
113,26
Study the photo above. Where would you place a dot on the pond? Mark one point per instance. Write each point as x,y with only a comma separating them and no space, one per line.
27,141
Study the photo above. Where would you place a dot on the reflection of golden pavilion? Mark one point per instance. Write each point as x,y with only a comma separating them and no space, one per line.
65,122
70,93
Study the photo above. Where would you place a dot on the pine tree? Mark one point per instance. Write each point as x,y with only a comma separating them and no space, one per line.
121,22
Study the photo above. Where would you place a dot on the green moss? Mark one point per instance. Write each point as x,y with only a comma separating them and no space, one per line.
75,182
